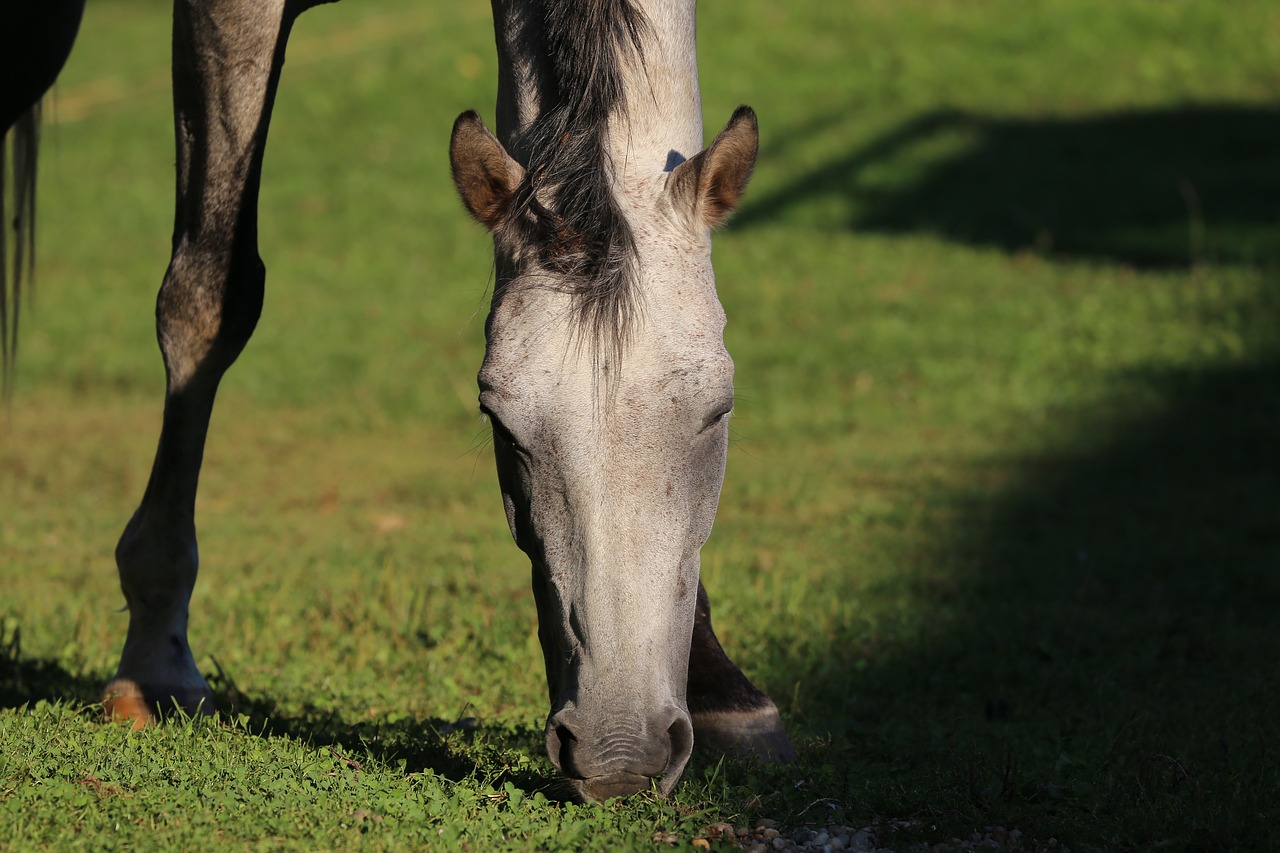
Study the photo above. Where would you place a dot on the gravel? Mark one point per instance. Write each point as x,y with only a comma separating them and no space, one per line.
767,837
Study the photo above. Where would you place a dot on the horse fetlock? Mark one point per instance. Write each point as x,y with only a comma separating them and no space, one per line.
146,703
157,564
157,673
753,732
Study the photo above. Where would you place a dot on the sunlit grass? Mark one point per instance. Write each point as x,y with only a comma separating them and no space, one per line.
999,531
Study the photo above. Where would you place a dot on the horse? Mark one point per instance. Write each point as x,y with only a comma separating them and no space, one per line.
605,378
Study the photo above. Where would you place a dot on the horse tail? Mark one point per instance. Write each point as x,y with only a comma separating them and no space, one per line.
18,152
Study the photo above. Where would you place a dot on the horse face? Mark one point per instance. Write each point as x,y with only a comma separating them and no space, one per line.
610,468
610,486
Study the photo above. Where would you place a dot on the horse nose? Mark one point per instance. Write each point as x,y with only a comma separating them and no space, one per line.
618,757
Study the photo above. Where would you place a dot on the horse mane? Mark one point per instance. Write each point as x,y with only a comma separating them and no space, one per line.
565,207
21,145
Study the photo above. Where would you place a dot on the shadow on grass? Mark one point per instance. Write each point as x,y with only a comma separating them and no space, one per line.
1099,663
491,752
456,750
31,680
1100,658
1101,654
1156,188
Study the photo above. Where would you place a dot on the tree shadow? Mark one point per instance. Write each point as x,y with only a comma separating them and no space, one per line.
1149,188
1102,643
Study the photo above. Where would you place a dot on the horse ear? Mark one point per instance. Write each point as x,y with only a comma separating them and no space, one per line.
484,173
710,184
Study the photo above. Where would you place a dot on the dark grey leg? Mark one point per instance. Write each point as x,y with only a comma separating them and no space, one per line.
227,56
729,713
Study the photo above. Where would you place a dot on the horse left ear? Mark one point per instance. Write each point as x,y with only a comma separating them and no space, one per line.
710,184
484,173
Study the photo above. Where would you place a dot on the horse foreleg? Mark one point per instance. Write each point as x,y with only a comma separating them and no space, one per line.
227,56
729,712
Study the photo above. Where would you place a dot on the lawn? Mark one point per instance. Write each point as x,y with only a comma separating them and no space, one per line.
1001,527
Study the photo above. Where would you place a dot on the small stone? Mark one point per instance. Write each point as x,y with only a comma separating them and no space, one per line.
765,823
769,833
742,832
821,837
779,844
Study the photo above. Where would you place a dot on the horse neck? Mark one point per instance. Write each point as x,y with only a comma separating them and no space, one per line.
663,103
662,113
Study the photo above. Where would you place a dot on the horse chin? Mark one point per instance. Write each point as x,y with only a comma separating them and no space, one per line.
597,789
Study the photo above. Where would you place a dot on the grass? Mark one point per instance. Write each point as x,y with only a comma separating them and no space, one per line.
1000,531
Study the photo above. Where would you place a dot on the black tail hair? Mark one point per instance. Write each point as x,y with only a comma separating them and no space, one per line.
18,150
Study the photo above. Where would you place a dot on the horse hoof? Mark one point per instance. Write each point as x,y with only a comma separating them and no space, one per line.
756,733
125,700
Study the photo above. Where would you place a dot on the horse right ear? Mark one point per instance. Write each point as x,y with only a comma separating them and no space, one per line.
711,183
484,173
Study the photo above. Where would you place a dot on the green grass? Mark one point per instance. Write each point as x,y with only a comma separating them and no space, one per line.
1001,529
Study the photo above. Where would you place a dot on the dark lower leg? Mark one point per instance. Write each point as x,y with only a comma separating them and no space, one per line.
227,59
157,559
729,712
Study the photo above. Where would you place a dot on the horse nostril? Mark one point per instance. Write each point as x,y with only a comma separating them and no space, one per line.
560,744
680,733
680,737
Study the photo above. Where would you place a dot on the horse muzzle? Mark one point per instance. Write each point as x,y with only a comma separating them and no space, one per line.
621,756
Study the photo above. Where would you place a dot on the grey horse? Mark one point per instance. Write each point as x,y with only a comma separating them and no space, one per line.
605,377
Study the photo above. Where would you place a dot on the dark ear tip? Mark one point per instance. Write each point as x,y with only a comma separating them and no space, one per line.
467,121
745,113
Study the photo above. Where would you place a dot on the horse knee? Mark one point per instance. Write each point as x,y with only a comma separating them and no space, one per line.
207,310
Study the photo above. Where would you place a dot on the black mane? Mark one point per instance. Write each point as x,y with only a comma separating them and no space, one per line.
565,206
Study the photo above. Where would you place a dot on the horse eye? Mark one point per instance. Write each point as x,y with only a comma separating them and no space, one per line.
718,414
499,428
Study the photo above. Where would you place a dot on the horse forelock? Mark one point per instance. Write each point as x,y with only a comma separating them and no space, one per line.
565,211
